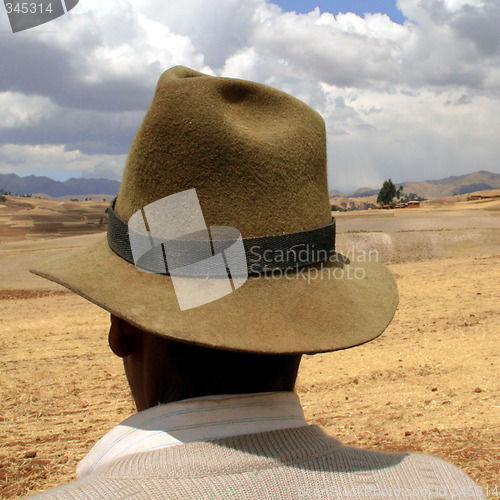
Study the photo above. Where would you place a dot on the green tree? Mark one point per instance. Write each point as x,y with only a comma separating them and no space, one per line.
388,192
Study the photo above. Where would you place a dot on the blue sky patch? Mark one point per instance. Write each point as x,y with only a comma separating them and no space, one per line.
359,7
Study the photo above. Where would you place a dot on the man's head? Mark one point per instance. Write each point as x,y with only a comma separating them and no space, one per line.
255,158
161,370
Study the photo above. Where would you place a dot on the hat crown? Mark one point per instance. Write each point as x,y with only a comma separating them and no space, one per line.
255,155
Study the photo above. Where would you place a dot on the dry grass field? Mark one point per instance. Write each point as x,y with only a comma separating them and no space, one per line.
33,218
430,383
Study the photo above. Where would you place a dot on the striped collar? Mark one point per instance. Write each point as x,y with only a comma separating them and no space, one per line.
196,419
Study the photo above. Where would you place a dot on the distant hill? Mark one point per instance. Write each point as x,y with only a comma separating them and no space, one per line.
72,187
457,184
334,194
364,191
460,184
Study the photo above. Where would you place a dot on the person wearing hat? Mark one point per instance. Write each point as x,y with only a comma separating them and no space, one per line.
219,270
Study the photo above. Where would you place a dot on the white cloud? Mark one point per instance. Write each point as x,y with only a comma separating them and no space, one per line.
425,136
344,51
18,110
25,160
411,101
216,29
108,168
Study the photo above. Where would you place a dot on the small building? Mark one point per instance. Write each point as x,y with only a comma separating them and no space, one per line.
482,197
413,204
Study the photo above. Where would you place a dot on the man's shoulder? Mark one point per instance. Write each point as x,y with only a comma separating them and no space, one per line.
299,463
420,475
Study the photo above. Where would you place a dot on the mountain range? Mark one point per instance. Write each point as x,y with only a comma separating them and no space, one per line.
34,184
450,186
457,184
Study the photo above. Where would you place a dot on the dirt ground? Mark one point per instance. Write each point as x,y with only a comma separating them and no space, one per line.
33,218
429,384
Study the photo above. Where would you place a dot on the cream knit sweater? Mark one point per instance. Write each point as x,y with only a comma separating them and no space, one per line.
300,463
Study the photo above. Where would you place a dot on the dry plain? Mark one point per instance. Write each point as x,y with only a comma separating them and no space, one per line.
430,383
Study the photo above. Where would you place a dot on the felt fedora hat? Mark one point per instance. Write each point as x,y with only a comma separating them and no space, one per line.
256,159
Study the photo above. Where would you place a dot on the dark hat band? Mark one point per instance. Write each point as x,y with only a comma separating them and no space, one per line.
263,254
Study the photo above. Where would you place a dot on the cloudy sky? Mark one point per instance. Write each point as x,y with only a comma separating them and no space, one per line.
408,89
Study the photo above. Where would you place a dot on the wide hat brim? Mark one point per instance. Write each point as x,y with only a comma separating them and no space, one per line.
321,308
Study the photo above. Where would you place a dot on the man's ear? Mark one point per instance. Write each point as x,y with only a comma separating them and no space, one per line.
122,337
